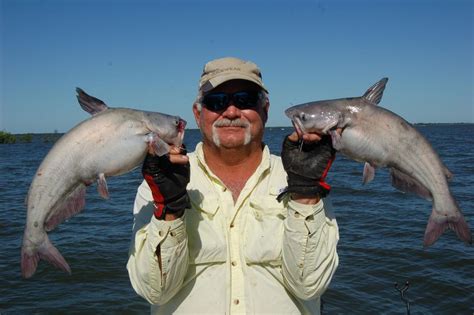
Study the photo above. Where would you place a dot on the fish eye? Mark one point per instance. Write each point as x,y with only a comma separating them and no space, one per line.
303,117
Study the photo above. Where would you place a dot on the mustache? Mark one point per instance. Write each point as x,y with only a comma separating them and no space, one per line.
224,122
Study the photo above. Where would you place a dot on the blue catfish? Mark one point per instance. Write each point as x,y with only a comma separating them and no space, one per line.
111,142
368,133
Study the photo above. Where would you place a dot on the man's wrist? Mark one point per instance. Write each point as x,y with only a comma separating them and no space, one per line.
173,209
168,215
304,199
174,215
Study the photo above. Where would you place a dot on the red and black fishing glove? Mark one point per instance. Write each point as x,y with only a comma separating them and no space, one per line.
168,183
307,165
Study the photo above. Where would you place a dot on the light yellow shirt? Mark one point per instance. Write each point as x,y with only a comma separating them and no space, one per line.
254,256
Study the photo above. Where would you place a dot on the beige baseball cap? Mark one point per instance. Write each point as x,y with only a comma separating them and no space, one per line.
225,69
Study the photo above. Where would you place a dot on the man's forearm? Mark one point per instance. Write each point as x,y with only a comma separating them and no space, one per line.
309,249
158,260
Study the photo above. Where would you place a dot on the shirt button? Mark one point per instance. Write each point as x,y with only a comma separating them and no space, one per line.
234,263
236,301
231,225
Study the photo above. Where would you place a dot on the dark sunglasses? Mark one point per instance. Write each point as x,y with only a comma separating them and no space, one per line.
242,100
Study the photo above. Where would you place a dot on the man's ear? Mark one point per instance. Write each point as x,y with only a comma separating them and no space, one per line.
266,107
197,114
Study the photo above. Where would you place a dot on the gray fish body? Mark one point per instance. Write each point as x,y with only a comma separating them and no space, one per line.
381,138
112,142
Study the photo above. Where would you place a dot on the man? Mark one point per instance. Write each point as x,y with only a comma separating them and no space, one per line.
223,243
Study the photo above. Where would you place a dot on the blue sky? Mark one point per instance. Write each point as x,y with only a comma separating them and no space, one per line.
149,55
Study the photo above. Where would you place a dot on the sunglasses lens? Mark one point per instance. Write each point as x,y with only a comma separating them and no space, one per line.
246,99
215,101
242,100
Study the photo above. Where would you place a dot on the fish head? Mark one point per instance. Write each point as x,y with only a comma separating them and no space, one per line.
318,117
169,128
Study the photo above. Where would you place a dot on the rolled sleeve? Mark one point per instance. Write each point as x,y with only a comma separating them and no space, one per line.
309,248
158,260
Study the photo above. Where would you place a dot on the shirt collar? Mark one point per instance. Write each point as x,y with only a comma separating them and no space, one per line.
264,164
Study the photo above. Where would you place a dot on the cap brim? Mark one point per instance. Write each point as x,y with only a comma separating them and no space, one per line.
215,82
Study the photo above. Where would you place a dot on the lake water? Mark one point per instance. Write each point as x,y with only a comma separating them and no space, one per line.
381,233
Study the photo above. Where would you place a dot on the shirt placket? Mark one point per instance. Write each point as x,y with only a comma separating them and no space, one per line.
237,298
234,232
235,265
235,237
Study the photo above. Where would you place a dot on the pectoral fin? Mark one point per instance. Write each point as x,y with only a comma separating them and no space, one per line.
408,184
102,186
158,146
336,140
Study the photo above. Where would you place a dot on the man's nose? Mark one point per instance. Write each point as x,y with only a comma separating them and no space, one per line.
231,111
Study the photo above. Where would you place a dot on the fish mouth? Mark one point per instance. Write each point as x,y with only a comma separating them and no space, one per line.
300,130
330,126
181,125
290,112
293,114
181,128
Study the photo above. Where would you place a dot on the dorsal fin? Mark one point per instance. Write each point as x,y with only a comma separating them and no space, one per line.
375,92
89,103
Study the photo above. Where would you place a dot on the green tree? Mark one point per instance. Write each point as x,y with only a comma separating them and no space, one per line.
6,137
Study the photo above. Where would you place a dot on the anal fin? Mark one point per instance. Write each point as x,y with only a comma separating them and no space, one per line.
409,184
68,207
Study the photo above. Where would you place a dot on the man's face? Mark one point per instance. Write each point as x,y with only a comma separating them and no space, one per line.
232,127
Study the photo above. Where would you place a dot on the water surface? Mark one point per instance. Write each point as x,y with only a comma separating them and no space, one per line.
381,239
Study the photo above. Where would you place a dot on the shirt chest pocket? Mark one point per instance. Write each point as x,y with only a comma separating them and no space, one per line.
204,226
264,230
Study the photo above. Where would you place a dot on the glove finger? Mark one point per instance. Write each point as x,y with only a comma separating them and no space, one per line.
307,159
154,164
183,150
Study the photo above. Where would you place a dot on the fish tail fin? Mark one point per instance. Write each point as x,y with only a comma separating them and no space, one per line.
46,251
437,224
29,263
462,230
